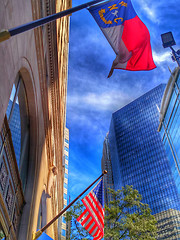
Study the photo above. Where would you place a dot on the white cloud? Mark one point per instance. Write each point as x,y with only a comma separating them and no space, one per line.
99,101
162,57
149,10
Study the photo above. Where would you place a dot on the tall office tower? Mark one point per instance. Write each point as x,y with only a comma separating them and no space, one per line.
106,165
66,163
138,158
169,126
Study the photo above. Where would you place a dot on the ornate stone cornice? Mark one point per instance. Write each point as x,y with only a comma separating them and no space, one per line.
52,57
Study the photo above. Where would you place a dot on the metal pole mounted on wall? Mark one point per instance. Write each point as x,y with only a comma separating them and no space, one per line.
6,34
39,233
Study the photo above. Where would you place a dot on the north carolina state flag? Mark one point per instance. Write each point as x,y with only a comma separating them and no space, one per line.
126,33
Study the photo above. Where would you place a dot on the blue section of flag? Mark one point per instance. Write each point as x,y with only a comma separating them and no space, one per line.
112,13
99,192
44,236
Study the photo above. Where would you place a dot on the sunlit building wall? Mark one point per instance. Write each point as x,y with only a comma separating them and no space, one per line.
138,158
33,76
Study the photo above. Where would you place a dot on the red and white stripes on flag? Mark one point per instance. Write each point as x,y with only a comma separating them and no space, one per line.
92,219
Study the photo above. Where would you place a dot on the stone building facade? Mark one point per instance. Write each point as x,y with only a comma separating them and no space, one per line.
33,75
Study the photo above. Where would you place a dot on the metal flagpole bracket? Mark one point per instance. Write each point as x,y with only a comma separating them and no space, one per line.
105,172
36,235
4,35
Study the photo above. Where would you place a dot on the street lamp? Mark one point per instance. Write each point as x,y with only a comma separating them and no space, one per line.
168,41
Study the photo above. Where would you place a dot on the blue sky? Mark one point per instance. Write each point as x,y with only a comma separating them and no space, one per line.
92,97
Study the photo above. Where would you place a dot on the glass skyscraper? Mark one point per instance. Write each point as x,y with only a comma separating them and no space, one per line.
63,225
138,158
106,165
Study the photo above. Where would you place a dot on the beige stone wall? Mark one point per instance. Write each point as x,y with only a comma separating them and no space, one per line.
17,52
40,57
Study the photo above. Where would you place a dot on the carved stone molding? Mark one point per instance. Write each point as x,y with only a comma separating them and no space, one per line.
11,194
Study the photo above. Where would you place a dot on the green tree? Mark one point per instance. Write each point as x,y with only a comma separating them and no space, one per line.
77,231
2,236
126,217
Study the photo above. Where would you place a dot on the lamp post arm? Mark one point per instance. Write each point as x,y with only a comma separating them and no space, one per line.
175,55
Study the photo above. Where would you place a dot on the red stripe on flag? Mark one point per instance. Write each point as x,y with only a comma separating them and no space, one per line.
86,219
138,44
99,236
96,234
97,205
81,216
100,221
89,224
92,229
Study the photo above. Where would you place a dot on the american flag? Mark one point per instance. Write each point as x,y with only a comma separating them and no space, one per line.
92,219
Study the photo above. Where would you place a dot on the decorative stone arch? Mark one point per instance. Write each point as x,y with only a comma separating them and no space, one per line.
11,193
29,82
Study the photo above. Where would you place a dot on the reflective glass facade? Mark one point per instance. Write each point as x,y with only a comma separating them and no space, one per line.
63,225
139,158
170,125
15,126
106,165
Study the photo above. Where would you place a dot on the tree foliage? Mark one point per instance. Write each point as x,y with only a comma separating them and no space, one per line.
126,217
2,236
77,231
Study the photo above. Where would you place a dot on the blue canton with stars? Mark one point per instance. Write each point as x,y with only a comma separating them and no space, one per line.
112,13
99,192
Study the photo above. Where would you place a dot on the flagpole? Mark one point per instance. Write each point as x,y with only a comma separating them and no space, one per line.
39,233
6,34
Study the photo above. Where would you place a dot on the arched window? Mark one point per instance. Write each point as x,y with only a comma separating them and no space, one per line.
18,120
14,158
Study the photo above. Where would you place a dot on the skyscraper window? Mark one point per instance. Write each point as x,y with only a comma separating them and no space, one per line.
169,124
